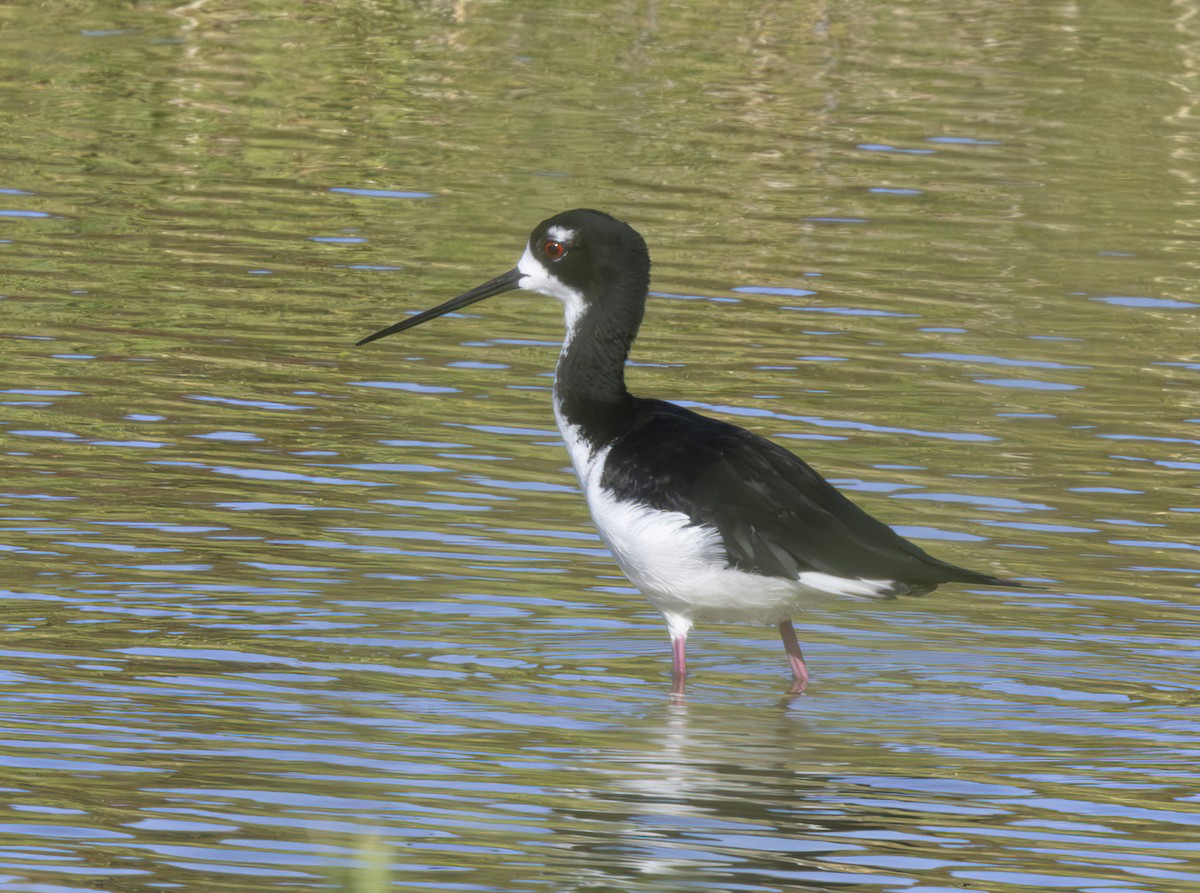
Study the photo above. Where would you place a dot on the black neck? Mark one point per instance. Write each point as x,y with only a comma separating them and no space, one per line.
589,383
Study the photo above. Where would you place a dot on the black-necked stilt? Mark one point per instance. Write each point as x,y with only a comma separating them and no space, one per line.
709,521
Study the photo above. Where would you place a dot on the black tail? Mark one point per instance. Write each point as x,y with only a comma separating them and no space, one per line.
956,574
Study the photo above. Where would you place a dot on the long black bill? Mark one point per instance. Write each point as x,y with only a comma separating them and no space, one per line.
502,283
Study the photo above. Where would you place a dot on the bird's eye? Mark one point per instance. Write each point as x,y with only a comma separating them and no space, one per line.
554,250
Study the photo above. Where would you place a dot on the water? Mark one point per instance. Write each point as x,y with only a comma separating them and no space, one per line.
283,614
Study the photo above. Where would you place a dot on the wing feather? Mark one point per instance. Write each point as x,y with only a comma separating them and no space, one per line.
776,515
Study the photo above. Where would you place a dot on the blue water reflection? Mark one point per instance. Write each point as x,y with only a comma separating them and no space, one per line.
281,614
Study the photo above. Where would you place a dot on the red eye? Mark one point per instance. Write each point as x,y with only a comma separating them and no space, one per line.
554,250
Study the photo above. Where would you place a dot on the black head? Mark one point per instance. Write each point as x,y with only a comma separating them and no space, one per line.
585,258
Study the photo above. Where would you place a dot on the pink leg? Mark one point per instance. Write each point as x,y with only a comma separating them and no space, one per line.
678,663
795,657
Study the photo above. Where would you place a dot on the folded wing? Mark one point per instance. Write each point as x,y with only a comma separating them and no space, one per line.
775,514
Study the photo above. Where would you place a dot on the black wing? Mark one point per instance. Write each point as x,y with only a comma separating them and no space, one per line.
776,515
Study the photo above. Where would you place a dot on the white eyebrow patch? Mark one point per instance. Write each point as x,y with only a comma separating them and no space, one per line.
561,234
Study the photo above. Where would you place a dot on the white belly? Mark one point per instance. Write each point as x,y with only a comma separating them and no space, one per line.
680,567
683,568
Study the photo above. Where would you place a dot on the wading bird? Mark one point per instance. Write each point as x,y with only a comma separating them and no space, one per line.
710,521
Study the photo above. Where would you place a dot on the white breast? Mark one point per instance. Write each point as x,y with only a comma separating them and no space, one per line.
682,568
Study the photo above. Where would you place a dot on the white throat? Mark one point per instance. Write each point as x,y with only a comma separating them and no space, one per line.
535,277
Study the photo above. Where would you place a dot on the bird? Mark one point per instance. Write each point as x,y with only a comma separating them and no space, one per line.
710,521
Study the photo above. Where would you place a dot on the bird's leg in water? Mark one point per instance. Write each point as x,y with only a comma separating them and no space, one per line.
795,657
678,663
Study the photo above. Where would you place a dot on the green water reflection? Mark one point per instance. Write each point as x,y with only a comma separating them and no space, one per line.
282,614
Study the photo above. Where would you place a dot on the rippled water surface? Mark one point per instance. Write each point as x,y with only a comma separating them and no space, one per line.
284,614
